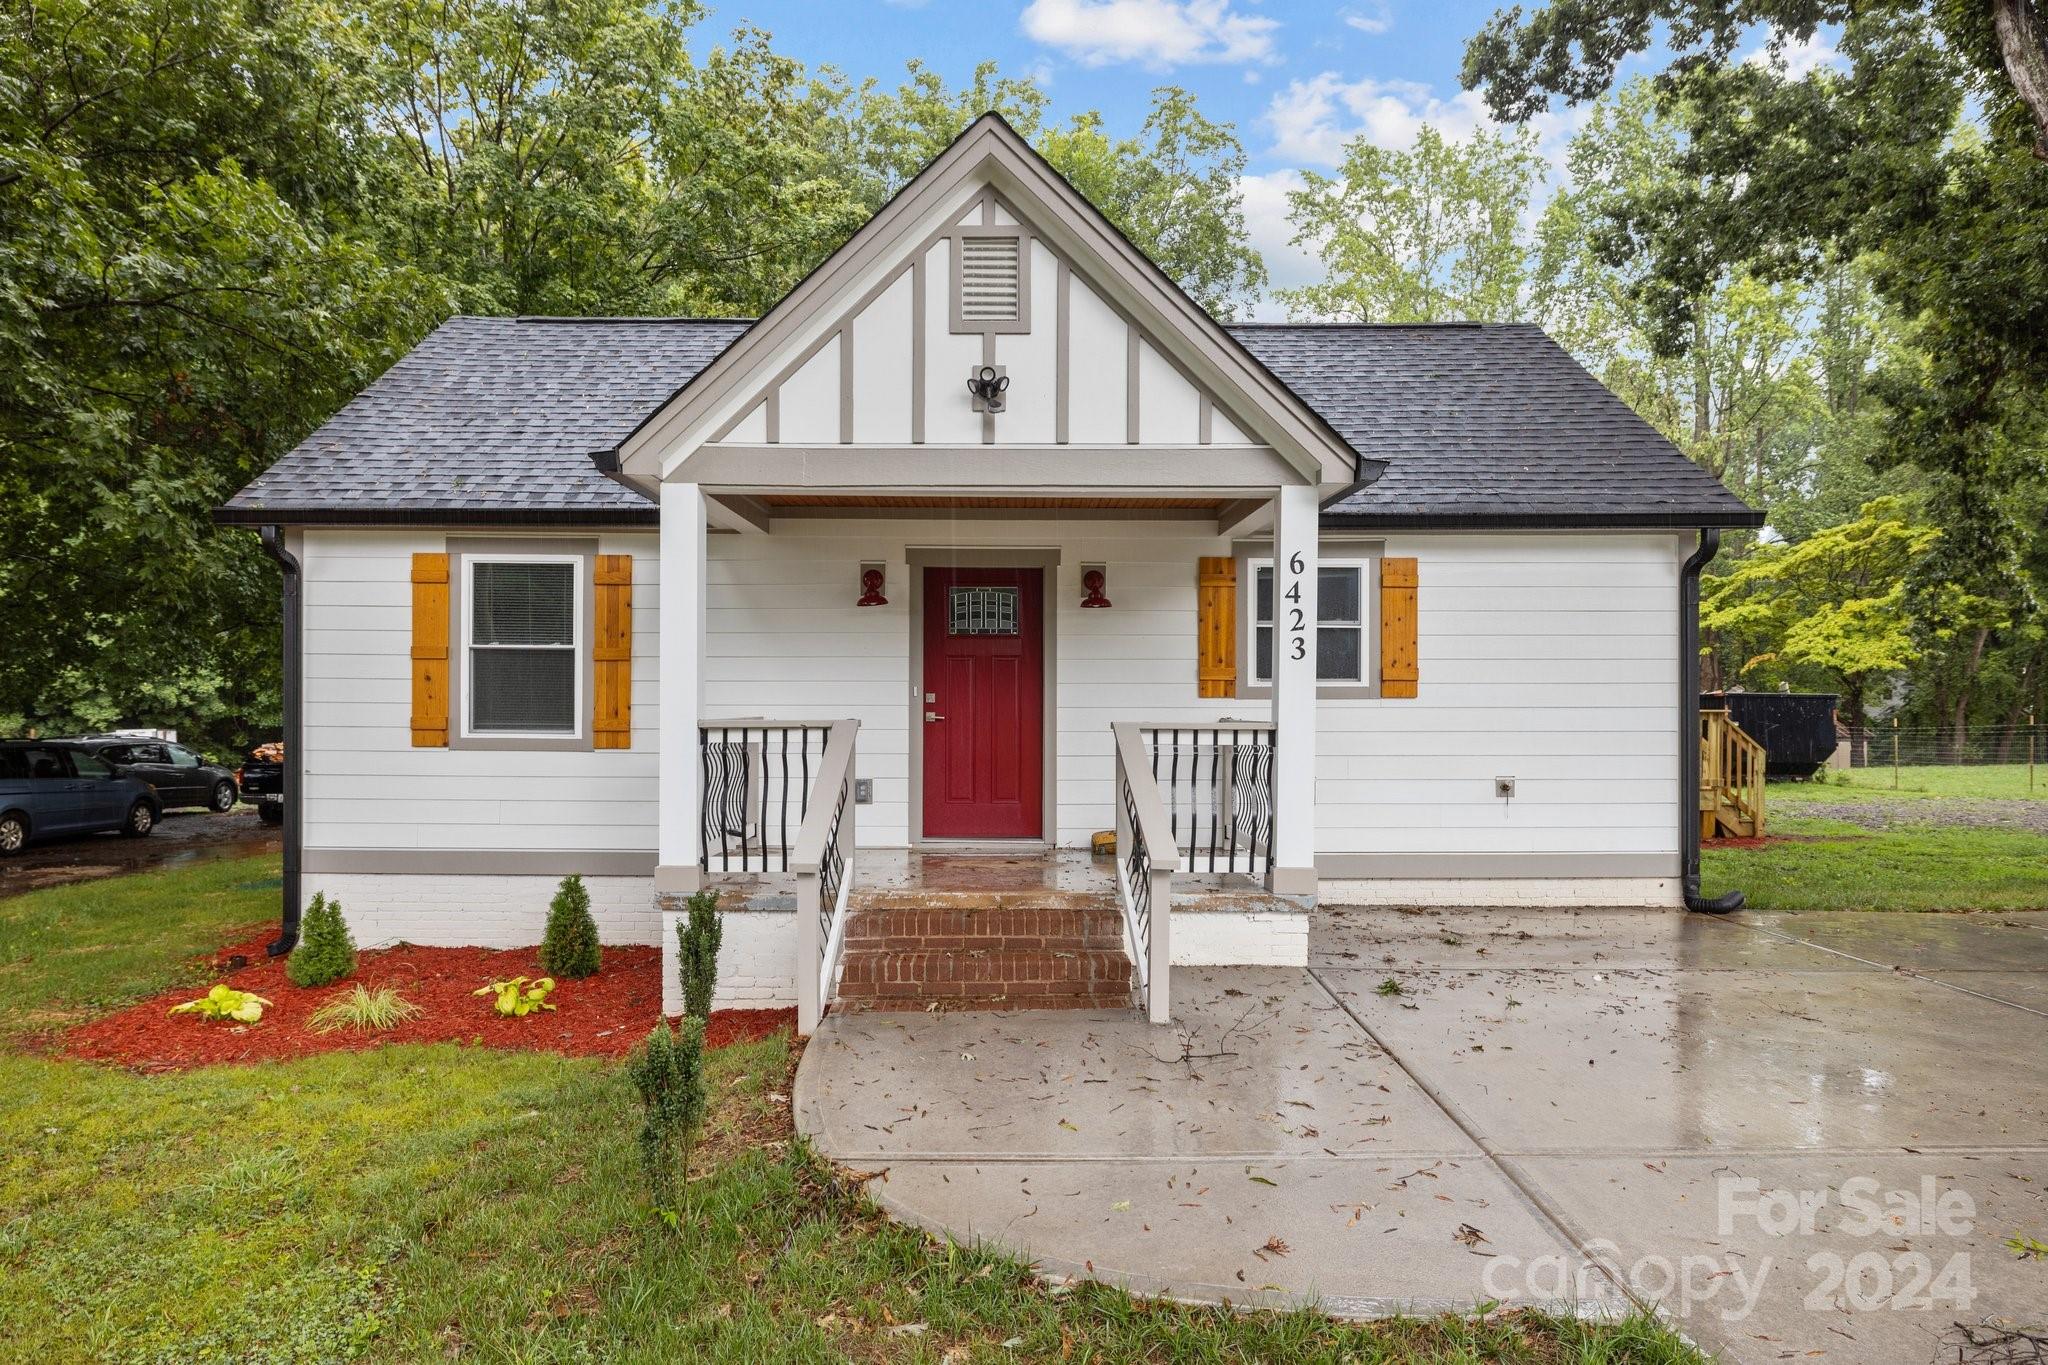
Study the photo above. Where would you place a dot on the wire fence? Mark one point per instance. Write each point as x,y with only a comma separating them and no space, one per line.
2023,746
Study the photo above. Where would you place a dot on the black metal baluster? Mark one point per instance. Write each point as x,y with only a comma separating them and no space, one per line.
784,802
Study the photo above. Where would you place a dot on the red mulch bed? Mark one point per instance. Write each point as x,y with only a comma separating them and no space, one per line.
600,1016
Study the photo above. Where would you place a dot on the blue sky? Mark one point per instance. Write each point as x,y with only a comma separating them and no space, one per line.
1297,77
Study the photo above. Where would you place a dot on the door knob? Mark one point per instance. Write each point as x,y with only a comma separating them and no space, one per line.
933,715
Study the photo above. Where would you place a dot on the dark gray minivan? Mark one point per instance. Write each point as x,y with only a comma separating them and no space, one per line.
49,787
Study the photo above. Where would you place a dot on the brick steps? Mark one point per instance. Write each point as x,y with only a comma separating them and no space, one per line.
984,951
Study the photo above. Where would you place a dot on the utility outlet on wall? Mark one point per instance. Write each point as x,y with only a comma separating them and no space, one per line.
1504,787
863,791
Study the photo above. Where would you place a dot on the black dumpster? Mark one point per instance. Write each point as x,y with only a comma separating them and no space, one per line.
1797,729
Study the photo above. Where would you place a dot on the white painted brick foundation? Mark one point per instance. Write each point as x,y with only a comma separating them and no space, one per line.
1660,893
475,911
756,961
1240,938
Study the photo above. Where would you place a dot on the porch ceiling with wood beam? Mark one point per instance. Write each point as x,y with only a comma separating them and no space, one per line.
1121,387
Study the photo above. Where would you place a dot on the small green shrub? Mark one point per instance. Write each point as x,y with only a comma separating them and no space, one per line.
362,1010
516,999
225,1002
697,938
326,951
668,1070
570,948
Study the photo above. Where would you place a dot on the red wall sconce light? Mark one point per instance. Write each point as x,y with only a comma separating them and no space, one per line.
871,587
1094,578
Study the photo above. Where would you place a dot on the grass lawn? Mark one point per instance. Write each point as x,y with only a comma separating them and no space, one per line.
1834,865
69,952
419,1202
2002,780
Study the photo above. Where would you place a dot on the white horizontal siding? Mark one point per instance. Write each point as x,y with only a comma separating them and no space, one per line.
1547,658
368,787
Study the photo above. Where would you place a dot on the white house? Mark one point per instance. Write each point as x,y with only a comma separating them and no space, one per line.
1385,614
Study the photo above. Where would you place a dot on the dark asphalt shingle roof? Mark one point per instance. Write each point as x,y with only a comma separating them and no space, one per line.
497,418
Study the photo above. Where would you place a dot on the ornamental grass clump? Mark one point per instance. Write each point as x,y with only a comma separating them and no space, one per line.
668,1070
326,951
362,1010
570,948
697,938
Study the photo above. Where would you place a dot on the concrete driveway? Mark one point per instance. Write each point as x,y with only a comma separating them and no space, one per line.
1801,1137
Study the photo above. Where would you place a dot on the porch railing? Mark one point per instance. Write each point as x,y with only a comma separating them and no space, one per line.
823,861
758,779
1147,857
1216,783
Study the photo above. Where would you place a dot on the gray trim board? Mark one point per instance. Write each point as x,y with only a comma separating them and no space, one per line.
1180,470
501,862
1063,330
917,325
1477,866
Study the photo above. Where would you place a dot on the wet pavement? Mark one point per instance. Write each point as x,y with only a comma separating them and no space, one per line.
1801,1136
181,836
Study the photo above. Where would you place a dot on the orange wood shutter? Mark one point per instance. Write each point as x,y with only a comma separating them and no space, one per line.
612,646
1216,626
1398,655
429,651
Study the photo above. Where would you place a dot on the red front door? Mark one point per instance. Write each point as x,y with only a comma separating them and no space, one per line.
983,711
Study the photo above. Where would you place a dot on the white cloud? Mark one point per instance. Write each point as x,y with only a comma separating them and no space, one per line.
1265,221
1799,58
1379,21
1312,119
1153,33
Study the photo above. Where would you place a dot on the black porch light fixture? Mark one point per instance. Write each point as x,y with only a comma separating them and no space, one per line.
988,385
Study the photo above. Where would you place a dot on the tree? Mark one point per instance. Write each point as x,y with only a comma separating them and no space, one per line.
1430,234
1834,602
668,1071
698,937
182,297
569,945
326,951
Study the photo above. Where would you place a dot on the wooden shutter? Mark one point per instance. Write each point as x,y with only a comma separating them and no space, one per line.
612,650
1216,626
429,651
1398,666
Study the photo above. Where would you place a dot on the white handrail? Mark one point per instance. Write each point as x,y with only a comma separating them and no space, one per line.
823,861
1147,857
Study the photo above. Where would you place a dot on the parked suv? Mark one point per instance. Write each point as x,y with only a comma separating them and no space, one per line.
57,787
180,776
262,779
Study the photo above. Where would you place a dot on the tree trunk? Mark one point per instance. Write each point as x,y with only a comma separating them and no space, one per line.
1959,711
2023,47
2022,697
1856,716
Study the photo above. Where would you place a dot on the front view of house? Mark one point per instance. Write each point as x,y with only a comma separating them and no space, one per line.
985,540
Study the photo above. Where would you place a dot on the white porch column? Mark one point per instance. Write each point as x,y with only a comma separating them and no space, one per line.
1295,531
680,795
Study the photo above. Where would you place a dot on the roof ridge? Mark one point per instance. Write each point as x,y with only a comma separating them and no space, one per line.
652,319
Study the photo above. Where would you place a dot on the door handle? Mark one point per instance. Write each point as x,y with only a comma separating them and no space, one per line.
933,715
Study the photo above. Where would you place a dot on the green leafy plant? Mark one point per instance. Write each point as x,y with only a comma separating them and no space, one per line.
698,937
2027,1248
225,1002
516,998
668,1070
1389,986
570,947
326,951
362,1010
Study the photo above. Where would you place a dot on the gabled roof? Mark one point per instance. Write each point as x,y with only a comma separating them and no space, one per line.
991,154
496,420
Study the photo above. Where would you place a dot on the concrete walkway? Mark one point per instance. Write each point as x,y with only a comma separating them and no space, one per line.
1537,1107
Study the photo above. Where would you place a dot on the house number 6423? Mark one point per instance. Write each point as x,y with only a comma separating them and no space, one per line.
1297,623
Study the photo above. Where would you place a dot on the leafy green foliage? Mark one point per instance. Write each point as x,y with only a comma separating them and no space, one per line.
326,951
362,1010
225,1002
668,1071
698,937
569,947
515,999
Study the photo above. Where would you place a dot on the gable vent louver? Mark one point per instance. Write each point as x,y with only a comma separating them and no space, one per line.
989,285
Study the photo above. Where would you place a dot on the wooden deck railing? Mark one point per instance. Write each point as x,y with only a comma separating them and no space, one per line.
1731,777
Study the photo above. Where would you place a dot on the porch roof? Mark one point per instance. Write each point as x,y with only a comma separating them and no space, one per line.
506,421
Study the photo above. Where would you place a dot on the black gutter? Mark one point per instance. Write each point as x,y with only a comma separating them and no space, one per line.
1689,727
294,732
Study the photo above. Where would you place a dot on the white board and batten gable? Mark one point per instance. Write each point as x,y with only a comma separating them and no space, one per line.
859,379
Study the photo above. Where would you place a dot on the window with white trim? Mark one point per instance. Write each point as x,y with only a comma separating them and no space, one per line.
522,630
1343,613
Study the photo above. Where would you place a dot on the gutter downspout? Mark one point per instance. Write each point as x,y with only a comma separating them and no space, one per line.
294,750
1689,727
